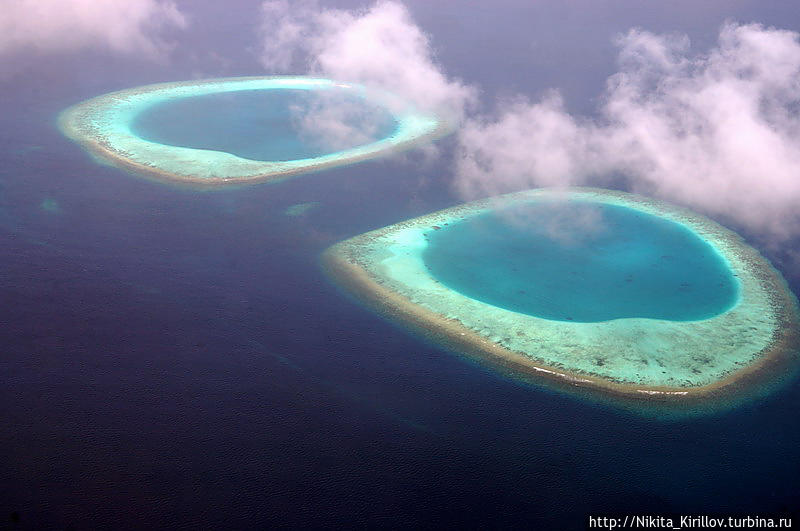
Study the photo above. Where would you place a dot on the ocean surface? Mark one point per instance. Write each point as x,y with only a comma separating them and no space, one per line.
173,358
582,261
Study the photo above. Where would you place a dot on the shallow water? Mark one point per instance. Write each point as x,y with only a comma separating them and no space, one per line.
582,261
268,125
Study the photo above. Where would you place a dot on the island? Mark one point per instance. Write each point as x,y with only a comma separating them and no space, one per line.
109,127
598,291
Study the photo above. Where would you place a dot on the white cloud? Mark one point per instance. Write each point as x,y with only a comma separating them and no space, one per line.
129,26
332,122
380,47
717,131
283,34
528,143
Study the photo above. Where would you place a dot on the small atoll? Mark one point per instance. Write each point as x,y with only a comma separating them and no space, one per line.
104,126
748,340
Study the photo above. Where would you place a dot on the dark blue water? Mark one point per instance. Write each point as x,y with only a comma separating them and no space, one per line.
173,359
266,124
582,261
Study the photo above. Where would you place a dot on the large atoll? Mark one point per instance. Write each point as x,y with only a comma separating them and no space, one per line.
105,127
749,336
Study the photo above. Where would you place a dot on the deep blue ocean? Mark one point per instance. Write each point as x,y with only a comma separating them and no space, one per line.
177,359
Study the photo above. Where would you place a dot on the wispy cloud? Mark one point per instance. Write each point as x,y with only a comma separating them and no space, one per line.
717,131
380,47
130,26
332,121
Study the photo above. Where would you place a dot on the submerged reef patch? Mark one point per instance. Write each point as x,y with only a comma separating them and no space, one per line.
50,205
746,339
300,209
107,127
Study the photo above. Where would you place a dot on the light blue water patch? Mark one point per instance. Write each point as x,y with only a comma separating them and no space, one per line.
582,261
265,125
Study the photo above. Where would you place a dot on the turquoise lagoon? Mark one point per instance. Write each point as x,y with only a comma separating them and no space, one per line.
261,125
582,261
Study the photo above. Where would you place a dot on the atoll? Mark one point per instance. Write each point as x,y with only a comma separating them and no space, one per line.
103,125
646,359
